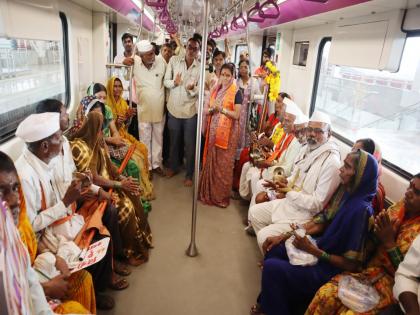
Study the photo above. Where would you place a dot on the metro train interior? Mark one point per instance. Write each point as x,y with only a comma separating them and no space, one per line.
350,70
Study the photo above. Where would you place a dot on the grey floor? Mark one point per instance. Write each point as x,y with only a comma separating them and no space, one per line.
223,279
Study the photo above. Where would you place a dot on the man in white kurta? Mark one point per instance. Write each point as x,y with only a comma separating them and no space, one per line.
407,284
300,136
313,181
148,74
43,136
285,152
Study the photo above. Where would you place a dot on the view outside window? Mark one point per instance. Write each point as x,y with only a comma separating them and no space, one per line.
30,71
375,104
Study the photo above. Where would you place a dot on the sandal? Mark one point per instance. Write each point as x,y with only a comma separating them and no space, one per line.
256,310
121,269
104,302
119,284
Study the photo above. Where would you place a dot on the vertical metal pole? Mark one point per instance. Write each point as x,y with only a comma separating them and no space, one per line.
130,91
192,248
247,42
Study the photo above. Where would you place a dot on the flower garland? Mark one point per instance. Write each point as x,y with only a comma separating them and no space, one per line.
273,80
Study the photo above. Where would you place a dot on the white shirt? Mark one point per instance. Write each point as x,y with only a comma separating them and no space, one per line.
317,177
150,90
30,179
33,173
182,103
408,272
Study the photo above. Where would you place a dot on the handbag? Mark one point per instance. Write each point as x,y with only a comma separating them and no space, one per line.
118,153
357,295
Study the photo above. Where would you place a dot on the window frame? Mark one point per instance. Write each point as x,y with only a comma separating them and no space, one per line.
5,137
391,166
66,57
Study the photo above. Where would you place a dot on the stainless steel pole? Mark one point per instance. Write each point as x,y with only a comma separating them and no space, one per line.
247,42
192,248
130,89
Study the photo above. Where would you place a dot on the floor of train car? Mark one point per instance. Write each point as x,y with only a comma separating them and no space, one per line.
224,279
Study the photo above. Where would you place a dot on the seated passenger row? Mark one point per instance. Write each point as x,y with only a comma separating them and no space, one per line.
315,220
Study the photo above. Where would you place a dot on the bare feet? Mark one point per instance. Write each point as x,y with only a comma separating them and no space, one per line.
170,173
188,182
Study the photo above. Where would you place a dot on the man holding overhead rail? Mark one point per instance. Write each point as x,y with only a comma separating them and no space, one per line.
148,73
126,58
181,77
307,190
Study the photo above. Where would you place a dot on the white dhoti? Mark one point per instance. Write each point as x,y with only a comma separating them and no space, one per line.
151,134
250,175
244,189
274,218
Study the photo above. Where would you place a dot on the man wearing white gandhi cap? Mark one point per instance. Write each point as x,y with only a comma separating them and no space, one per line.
282,157
43,138
148,76
306,191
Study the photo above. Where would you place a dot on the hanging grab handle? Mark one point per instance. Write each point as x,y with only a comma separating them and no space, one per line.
268,6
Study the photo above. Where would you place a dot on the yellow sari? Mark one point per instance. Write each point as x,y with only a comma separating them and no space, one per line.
119,108
81,295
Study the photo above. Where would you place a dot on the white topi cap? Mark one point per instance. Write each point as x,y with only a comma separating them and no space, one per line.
292,107
144,46
36,127
320,117
301,119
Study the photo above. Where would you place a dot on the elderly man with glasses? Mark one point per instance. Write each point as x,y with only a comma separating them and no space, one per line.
307,190
181,78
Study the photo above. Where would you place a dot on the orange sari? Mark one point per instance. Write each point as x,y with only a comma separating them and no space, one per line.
380,268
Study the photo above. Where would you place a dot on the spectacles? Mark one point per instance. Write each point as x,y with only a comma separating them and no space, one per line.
314,130
193,48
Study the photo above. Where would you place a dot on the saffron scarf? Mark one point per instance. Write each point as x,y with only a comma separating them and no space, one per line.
281,146
226,96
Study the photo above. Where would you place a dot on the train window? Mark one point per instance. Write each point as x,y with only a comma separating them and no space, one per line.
30,71
377,104
300,53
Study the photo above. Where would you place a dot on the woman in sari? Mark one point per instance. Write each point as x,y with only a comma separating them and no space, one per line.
122,115
395,230
136,165
341,247
221,140
373,148
80,298
90,153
